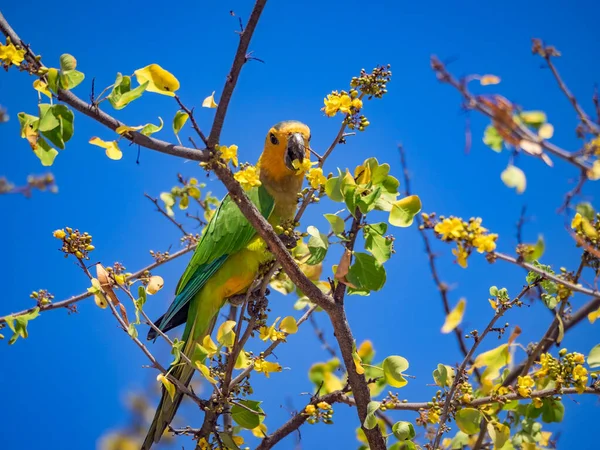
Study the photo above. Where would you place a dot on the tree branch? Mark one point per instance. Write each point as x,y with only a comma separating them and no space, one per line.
84,295
238,61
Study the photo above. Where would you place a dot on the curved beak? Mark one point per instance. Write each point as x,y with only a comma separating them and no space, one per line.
295,150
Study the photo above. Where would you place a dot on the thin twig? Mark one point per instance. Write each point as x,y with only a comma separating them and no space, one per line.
585,119
190,113
459,374
441,286
321,337
164,213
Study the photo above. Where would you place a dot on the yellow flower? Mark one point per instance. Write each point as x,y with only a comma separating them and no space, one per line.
580,377
433,416
9,54
524,385
461,256
578,358
266,367
229,153
332,105
271,333
345,103
450,228
475,226
310,409
576,222
323,405
357,103
485,243
545,359
316,178
59,234
304,166
248,177
537,402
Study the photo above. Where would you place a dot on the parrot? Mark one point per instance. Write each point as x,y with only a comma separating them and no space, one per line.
229,254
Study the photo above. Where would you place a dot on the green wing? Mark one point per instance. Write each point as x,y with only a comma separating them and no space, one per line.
227,233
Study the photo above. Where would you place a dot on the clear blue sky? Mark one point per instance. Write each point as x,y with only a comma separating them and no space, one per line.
64,386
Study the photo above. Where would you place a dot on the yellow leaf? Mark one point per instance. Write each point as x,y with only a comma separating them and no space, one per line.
489,79
209,345
260,431
358,363
289,325
513,177
155,284
209,102
331,382
546,131
594,173
112,148
594,315
42,87
242,361
454,318
493,360
225,334
159,80
238,440
205,371
493,304
124,129
170,387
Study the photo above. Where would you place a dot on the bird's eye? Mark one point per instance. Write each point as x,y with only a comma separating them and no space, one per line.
274,140
309,138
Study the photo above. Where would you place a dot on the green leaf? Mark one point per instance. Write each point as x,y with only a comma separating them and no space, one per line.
248,419
122,94
53,80
56,123
552,410
403,430
366,273
371,419
492,138
228,441
69,79
317,246
366,201
18,324
468,420
513,177
67,62
593,358
379,246
48,120
132,330
537,250
179,121
404,210
393,366
46,153
176,350
350,198
333,188
499,433
337,223
443,375
459,441
586,210
403,445
150,128
380,228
